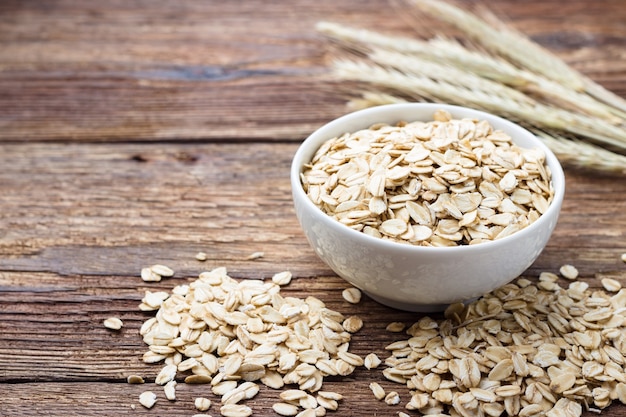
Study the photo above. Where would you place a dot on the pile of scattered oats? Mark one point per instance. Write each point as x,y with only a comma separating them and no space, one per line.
235,334
441,183
523,349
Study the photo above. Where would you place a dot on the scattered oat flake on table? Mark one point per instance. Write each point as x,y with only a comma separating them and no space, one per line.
113,323
149,276
282,278
352,295
198,379
371,361
331,395
569,272
255,255
153,300
353,324
135,379
167,374
309,402
202,403
623,257
395,327
210,325
285,409
292,395
162,270
378,391
327,403
235,410
147,399
201,256
611,285
393,398
170,390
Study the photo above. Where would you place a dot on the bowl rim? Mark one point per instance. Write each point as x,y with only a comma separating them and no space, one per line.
320,135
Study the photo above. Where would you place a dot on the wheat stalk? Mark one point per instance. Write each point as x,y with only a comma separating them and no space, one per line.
504,41
528,82
446,73
595,129
453,54
373,98
578,154
438,50
440,89
507,42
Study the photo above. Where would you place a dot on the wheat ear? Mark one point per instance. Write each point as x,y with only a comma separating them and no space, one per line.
448,52
507,42
578,154
441,90
504,41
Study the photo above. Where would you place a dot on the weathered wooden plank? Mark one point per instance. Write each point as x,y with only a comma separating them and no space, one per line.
181,70
102,399
57,359
106,399
86,209
272,107
206,70
61,211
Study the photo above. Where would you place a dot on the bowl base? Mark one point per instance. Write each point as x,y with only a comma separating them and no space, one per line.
412,307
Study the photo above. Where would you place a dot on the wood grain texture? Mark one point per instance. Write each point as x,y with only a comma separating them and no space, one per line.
71,70
80,221
85,209
136,132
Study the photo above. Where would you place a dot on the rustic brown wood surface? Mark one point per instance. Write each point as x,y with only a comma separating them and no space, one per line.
137,132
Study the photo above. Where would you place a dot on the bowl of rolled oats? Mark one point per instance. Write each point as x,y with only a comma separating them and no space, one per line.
422,205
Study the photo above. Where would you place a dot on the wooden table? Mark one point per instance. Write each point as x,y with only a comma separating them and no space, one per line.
136,132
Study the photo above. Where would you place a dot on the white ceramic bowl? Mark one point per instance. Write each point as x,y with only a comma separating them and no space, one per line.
418,278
